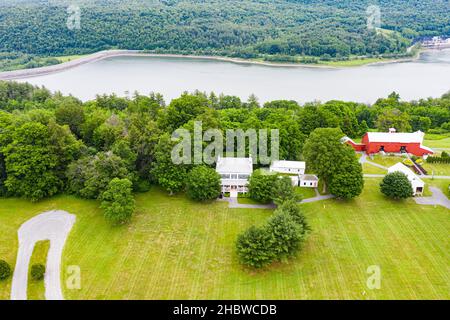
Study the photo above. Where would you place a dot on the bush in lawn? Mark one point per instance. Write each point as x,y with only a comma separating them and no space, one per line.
286,235
291,208
253,247
203,184
37,271
5,270
118,201
282,190
396,185
261,185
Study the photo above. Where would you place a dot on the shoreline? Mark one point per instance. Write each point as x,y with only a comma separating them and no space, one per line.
101,55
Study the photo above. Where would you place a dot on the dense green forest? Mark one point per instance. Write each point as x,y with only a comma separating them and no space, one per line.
283,30
50,143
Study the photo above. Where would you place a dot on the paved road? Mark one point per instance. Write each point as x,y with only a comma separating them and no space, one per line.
437,199
54,226
234,204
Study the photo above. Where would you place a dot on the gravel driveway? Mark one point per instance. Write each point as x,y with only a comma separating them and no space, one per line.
54,226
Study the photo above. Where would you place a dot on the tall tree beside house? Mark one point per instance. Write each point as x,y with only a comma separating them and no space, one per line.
396,185
324,153
203,183
118,202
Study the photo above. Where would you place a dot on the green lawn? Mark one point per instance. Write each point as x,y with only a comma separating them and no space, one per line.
439,169
440,141
176,249
387,160
371,169
36,287
305,193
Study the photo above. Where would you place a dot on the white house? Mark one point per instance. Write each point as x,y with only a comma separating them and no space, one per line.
234,173
289,167
308,181
418,185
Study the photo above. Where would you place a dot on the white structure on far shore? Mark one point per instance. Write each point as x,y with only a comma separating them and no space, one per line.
417,184
234,173
288,167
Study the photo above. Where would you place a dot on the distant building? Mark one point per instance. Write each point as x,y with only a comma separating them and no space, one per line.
288,167
308,181
234,173
417,184
391,142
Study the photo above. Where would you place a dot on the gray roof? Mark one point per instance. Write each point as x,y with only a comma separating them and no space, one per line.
234,165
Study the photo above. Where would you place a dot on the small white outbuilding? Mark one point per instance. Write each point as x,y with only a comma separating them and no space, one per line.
417,184
309,181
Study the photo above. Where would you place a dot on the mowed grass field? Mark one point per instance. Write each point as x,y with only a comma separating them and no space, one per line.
177,249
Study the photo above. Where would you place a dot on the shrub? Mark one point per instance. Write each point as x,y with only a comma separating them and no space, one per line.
408,162
282,190
261,185
291,208
5,270
118,201
203,184
285,235
37,271
253,247
396,185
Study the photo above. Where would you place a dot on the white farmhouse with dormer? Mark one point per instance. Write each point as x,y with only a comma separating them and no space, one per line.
234,173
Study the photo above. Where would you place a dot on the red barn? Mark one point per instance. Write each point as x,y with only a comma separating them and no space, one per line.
391,142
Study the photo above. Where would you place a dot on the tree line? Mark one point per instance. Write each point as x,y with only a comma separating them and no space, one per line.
50,143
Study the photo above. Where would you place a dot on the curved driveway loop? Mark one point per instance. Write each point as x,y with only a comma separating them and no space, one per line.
54,226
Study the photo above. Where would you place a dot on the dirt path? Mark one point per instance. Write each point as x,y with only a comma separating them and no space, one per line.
54,226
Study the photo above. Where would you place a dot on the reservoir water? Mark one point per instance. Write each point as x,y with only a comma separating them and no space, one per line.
429,76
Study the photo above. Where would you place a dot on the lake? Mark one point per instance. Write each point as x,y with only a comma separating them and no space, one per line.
429,76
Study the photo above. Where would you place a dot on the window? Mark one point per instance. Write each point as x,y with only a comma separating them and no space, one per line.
225,176
243,176
234,176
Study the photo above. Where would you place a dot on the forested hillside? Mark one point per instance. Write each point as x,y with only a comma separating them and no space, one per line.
267,29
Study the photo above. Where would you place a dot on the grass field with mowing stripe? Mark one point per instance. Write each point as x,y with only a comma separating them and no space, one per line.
177,249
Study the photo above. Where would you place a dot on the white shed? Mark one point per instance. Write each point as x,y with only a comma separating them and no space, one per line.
417,184
308,181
